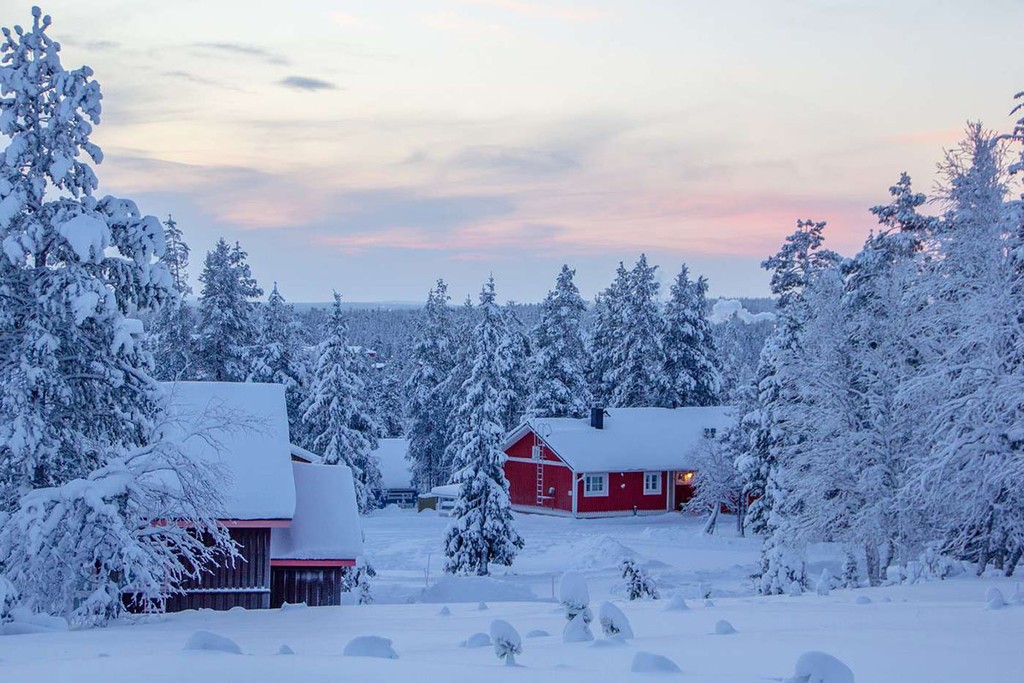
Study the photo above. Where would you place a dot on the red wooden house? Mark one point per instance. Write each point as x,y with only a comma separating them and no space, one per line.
622,461
295,523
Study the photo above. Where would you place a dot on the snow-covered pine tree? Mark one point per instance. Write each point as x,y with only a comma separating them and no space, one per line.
384,397
482,530
455,385
171,332
517,349
609,325
336,419
276,357
634,377
690,374
427,408
227,325
558,366
80,443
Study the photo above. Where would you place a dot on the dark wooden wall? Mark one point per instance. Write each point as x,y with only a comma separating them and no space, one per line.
245,582
317,587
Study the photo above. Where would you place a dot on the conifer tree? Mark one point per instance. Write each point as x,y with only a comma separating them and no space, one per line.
276,357
690,375
609,324
482,530
428,406
335,414
558,367
227,325
171,334
634,377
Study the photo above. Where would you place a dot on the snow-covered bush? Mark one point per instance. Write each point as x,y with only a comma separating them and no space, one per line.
507,643
648,662
994,598
577,630
574,595
824,582
370,646
476,640
613,621
677,604
356,580
8,597
212,642
724,628
818,667
638,583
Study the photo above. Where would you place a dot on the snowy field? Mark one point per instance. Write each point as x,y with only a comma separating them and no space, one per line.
934,632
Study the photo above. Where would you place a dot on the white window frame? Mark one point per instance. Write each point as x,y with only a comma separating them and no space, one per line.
656,491
588,489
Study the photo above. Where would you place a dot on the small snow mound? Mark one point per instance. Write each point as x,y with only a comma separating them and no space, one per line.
24,620
212,642
577,631
476,640
597,552
613,621
862,600
445,612
818,667
481,606
237,608
285,650
370,646
709,603
994,598
677,604
996,603
507,643
650,663
724,628
538,633
293,605
475,589
610,641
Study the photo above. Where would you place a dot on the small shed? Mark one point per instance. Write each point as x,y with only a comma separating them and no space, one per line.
396,476
309,558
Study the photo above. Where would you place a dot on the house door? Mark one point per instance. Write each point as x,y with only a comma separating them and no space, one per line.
683,488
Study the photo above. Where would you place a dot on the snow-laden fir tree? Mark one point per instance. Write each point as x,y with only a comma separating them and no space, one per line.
427,390
227,326
80,443
634,377
690,373
171,332
465,322
385,398
517,350
558,366
482,531
609,324
276,356
337,421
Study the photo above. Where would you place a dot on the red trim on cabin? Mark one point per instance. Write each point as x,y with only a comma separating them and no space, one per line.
312,563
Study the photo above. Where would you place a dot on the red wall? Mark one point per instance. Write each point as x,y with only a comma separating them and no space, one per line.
624,489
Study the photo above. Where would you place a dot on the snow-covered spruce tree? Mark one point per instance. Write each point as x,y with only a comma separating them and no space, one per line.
464,352
800,260
972,372
634,378
227,325
276,357
558,366
427,407
609,326
517,349
384,396
638,583
336,418
690,373
171,332
79,415
482,531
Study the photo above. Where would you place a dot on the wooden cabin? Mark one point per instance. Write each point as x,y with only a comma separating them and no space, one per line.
622,461
241,431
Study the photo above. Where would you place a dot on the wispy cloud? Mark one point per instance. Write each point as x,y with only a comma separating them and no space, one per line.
254,51
200,80
306,83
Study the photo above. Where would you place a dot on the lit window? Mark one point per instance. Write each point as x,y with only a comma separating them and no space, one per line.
595,484
685,478
652,483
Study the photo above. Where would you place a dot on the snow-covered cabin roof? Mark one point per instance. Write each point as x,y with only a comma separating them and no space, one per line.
326,522
394,468
242,427
633,439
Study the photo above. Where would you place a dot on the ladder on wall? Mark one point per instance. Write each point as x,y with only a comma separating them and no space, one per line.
538,455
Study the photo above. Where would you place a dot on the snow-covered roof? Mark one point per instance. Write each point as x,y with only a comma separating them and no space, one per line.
445,491
326,522
300,453
243,428
394,468
633,439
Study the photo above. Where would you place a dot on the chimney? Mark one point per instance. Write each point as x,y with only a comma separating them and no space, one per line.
597,418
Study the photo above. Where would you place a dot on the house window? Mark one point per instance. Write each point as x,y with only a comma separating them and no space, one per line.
595,484
652,483
685,478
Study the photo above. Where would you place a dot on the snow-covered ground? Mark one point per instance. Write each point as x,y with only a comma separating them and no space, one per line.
935,632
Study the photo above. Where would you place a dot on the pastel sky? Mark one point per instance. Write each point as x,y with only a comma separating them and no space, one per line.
373,146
